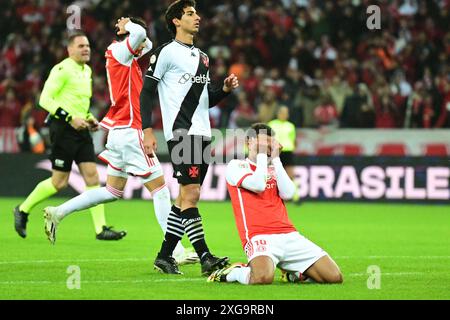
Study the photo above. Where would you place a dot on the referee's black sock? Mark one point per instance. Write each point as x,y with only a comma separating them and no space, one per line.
174,233
193,226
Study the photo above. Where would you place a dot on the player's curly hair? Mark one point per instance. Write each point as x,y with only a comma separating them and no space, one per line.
259,128
175,10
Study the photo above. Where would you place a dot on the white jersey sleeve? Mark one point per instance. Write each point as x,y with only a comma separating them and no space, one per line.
237,171
286,187
125,50
148,47
241,175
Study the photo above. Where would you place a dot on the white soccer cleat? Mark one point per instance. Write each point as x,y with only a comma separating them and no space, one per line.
189,256
51,223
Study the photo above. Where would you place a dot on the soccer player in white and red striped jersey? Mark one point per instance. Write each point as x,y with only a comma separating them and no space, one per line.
124,152
258,187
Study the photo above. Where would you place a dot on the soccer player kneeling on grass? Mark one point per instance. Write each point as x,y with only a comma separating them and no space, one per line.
258,186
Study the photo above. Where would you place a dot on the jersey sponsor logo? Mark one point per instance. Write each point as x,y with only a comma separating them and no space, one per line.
193,79
271,185
193,172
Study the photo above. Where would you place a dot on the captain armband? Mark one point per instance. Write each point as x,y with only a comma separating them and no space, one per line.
63,115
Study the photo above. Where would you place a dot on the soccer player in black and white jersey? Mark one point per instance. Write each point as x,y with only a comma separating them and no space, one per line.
180,72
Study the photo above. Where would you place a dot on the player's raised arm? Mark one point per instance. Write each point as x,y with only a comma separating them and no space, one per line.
216,95
134,44
256,182
286,187
239,173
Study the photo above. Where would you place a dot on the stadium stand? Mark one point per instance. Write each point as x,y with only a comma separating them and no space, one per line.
316,57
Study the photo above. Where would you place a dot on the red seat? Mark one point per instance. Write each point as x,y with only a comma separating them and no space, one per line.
342,149
352,150
436,149
392,149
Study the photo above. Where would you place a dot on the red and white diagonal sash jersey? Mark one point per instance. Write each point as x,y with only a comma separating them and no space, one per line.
256,213
125,85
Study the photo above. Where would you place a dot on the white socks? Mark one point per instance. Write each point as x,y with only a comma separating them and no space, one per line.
163,205
241,275
87,200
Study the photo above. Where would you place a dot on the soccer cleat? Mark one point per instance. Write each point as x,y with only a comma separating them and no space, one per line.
294,277
109,234
51,223
20,222
189,256
221,274
212,263
166,265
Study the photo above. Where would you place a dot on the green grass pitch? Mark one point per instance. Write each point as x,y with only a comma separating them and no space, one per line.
409,243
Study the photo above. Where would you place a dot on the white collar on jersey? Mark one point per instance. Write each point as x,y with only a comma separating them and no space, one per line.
184,44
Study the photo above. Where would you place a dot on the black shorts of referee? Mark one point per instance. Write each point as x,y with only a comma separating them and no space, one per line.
69,145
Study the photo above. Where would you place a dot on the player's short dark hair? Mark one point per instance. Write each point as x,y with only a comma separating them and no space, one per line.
176,10
138,21
259,128
74,34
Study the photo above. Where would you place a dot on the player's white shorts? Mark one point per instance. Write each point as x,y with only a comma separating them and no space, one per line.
288,251
125,155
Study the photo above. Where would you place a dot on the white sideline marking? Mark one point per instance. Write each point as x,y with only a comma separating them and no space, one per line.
21,282
104,281
150,259
73,260
365,274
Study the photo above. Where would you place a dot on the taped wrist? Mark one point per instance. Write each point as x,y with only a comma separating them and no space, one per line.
62,114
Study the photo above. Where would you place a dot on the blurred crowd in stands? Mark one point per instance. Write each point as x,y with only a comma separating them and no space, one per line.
318,58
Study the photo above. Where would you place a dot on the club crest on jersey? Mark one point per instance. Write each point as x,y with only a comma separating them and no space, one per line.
193,172
152,59
205,59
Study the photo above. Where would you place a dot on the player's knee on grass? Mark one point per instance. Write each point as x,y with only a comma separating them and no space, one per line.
334,276
261,278
325,270
262,270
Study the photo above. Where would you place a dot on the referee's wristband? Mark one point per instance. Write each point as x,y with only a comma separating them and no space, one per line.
63,115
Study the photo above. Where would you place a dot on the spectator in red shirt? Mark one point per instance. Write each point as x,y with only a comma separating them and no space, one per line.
10,110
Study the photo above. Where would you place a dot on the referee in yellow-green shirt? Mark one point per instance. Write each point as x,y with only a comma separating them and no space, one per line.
285,133
66,96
